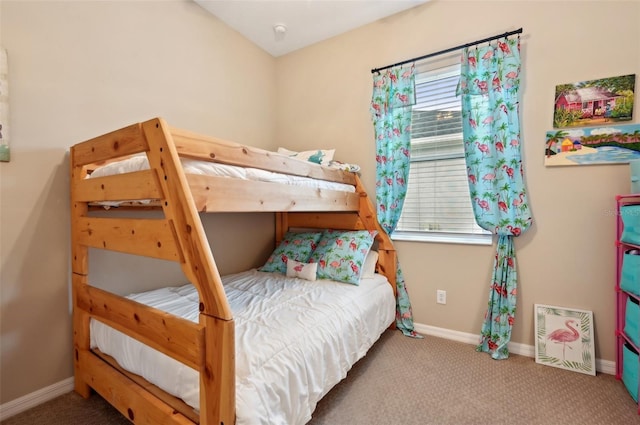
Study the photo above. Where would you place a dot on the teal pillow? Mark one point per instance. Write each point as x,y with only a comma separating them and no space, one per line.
341,254
294,246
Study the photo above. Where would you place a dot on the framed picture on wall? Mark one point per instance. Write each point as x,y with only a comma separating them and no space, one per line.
564,338
594,102
609,144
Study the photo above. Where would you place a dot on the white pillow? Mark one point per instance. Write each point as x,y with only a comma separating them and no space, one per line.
369,266
318,156
305,271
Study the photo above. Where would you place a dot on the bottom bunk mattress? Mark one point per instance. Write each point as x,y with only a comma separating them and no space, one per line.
295,339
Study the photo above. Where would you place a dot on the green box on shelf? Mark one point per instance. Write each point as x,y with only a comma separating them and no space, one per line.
630,273
630,370
630,215
632,321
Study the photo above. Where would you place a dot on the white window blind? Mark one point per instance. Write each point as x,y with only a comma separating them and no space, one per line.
437,205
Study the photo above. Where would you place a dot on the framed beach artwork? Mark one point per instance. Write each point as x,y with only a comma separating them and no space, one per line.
607,144
564,338
594,102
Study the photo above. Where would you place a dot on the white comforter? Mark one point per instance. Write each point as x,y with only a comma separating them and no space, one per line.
295,340
192,166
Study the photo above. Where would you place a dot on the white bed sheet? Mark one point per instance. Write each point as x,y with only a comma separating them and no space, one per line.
192,166
295,340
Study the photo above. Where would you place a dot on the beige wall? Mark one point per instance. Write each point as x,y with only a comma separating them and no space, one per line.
76,70
567,258
79,69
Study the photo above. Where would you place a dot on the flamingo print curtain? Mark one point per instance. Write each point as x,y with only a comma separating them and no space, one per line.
393,95
489,88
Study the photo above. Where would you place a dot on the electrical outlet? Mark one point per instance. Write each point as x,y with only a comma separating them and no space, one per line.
441,296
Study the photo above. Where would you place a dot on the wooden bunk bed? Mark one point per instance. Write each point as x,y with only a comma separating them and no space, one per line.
206,346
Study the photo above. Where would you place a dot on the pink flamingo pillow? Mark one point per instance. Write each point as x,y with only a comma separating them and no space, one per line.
294,246
341,254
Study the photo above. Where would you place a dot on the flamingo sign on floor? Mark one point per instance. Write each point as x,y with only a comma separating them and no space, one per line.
564,338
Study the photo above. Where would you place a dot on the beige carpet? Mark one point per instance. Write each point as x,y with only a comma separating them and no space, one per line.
434,381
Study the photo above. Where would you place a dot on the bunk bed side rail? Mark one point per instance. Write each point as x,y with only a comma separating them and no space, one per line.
149,237
231,196
207,148
176,337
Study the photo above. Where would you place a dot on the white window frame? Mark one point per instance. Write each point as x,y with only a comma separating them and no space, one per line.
425,73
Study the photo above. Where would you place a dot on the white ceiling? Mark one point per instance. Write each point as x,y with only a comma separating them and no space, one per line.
306,21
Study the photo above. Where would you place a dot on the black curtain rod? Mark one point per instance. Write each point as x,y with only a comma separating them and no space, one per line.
452,49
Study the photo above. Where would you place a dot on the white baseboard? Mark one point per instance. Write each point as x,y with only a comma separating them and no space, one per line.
40,396
603,366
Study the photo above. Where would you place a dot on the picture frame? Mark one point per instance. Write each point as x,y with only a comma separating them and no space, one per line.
564,338
604,101
611,144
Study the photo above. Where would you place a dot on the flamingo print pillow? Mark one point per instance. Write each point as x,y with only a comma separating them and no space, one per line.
305,271
294,246
341,254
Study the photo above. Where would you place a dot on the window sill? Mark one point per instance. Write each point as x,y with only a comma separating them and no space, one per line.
441,237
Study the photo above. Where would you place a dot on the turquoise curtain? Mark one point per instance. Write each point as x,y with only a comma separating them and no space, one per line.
393,95
489,88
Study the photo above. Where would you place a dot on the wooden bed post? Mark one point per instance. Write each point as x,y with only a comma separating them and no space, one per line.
217,380
387,259
282,225
79,271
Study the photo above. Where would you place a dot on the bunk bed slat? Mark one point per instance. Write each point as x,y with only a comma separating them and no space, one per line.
130,186
146,237
126,141
272,196
338,220
133,401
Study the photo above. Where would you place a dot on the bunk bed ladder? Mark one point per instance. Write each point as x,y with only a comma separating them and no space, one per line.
208,346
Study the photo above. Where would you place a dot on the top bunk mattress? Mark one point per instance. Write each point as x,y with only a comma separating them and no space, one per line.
193,166
295,339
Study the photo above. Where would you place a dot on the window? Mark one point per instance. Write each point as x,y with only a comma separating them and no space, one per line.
437,206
